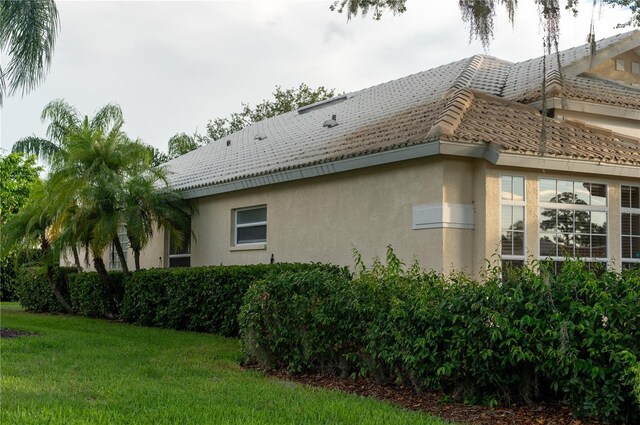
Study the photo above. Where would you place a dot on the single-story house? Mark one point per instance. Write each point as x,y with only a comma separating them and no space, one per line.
449,166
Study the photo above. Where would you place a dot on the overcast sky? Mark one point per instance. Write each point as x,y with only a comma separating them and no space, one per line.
172,66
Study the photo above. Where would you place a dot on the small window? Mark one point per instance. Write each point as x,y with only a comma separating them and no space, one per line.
180,251
512,221
114,260
635,67
250,226
619,64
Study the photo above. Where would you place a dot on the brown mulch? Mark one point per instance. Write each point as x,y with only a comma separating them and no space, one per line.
11,333
431,402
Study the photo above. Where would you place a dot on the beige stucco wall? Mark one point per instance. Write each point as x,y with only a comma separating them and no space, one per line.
629,127
324,218
608,70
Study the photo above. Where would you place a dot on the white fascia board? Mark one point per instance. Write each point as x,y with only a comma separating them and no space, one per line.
589,108
380,158
570,165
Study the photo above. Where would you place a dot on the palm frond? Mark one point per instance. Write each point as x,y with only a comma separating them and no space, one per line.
28,30
33,145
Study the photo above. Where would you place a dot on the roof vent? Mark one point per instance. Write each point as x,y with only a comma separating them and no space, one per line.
260,136
331,123
228,142
324,103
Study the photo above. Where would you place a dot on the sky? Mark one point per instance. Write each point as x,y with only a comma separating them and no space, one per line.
174,65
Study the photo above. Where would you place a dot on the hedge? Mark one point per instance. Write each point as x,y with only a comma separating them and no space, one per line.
34,291
530,337
200,299
90,296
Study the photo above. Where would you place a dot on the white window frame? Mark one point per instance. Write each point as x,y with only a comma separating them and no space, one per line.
576,207
171,256
523,203
237,226
632,211
114,260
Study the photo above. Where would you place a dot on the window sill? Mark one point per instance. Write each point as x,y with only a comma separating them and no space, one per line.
249,247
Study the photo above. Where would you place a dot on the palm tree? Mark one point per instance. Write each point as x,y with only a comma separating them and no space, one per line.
31,226
28,30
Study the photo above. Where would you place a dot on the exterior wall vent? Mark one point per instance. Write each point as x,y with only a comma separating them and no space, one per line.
331,123
228,142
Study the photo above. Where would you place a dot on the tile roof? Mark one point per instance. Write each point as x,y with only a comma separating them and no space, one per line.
459,101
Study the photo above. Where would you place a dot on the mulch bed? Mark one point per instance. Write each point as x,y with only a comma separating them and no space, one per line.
431,402
11,333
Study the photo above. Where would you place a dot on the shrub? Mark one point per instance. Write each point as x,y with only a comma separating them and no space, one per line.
201,299
90,297
529,337
34,291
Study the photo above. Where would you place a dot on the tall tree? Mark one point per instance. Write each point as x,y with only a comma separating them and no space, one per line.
17,176
28,30
283,101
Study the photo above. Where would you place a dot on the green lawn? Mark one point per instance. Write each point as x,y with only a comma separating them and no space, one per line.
82,371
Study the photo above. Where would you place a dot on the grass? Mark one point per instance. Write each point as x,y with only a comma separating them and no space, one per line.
83,371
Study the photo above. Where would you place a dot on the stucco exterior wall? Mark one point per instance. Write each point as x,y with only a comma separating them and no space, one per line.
324,218
629,127
608,69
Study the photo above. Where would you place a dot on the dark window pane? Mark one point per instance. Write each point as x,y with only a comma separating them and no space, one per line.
583,221
518,243
625,196
583,245
599,246
626,247
548,219
507,243
635,224
635,247
179,261
253,234
548,245
565,221
256,215
598,194
599,222
182,247
631,266
509,267
518,218
565,245
547,190
635,196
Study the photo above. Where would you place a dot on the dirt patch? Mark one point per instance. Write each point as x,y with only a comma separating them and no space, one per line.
432,403
11,333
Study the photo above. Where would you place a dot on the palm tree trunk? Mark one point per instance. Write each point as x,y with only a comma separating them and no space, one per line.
136,258
76,257
56,291
121,256
103,274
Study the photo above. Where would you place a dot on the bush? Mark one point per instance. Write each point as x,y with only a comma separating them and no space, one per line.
34,291
9,266
201,299
90,297
531,337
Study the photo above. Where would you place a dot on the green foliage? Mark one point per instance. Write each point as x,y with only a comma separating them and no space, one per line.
28,31
480,14
283,101
181,143
528,337
34,290
90,297
201,299
9,266
17,175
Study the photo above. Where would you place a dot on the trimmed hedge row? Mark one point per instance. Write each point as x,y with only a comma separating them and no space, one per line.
34,290
573,337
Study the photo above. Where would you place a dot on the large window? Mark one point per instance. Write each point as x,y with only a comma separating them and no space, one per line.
630,226
512,219
250,226
114,260
573,220
180,251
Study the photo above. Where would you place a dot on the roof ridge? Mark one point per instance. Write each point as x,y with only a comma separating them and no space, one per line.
465,77
451,116
596,77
